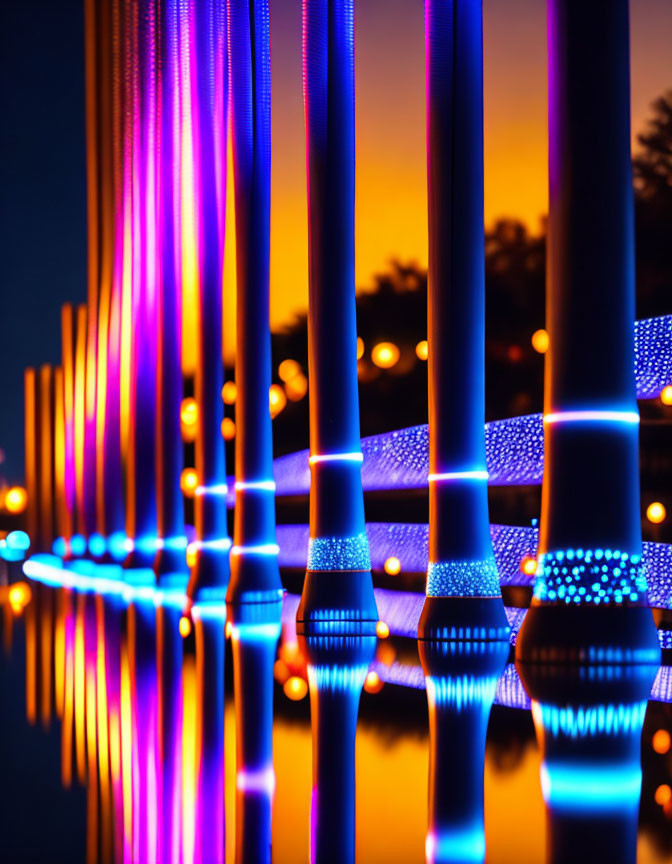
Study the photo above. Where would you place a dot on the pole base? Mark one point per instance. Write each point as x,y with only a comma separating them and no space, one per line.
340,599
464,619
607,634
254,579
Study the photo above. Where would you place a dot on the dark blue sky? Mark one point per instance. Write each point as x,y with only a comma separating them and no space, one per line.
42,194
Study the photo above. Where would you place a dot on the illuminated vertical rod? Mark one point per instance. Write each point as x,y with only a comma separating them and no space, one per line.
68,366
170,563
254,566
209,100
46,459
590,533
79,405
141,474
31,408
462,583
92,11
338,540
111,515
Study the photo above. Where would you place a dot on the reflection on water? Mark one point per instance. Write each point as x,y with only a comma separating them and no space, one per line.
589,724
461,679
128,717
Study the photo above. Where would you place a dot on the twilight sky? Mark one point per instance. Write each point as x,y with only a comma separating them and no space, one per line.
42,174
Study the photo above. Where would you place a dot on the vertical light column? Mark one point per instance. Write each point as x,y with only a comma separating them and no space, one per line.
141,473
78,540
69,473
463,594
206,59
254,558
32,456
338,583
92,29
170,563
46,458
590,593
110,485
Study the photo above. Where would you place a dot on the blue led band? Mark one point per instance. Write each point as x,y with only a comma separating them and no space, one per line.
463,579
339,553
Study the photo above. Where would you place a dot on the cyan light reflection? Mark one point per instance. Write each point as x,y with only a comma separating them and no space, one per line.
583,787
455,845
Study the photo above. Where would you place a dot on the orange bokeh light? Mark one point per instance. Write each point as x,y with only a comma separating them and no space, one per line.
228,429
529,565
16,499
276,399
422,350
661,741
392,566
295,688
540,341
385,355
229,393
188,482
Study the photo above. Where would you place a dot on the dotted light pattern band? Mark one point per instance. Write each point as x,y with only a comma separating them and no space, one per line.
461,691
581,721
339,553
577,576
463,579
410,543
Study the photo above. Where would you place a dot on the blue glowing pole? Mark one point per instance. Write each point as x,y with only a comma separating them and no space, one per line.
589,727
210,826
170,562
208,72
254,566
461,561
254,635
141,457
338,540
337,667
169,732
461,679
590,534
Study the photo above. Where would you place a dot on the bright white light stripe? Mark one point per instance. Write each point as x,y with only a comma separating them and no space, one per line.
448,476
209,611
215,489
223,545
261,781
335,457
261,485
261,549
631,417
